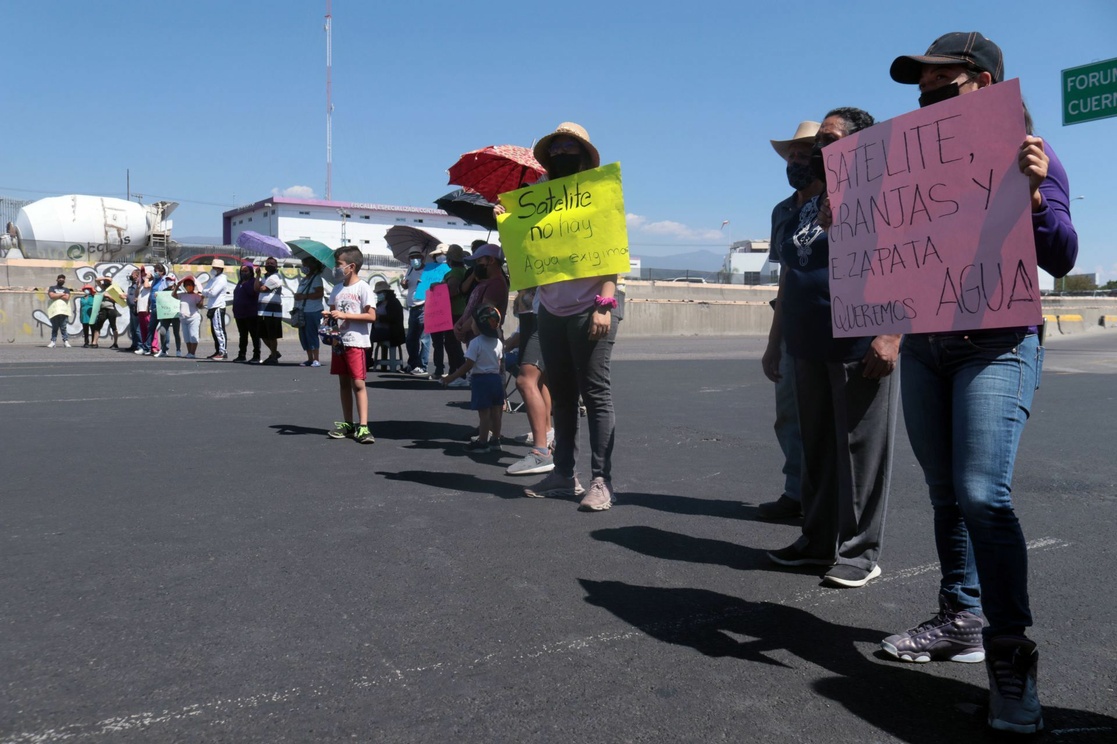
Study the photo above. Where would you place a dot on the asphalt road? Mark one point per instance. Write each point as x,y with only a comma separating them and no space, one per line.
185,556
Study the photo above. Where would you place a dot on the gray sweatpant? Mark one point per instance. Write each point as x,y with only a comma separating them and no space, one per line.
848,425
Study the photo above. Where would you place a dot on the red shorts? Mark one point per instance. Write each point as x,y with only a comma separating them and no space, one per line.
350,362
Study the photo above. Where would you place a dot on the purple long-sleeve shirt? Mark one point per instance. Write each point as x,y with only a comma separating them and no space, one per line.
1056,238
245,298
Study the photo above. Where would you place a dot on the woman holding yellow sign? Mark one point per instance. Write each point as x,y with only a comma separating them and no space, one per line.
577,327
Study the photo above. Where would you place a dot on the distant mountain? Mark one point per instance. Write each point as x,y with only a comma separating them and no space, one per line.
695,261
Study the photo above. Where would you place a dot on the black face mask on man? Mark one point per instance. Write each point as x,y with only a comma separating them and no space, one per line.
939,94
800,175
565,164
481,271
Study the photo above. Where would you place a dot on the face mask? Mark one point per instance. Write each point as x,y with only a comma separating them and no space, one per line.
440,259
800,175
939,94
61,282
271,269
481,272
416,263
379,297
339,274
565,164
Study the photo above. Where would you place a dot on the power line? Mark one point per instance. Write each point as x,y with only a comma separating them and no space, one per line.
118,195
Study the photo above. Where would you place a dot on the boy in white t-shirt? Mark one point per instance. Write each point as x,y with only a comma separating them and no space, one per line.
352,306
483,358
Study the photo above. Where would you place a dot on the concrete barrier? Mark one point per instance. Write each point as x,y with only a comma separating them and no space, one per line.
651,308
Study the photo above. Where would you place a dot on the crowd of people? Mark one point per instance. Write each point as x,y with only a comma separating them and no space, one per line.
965,395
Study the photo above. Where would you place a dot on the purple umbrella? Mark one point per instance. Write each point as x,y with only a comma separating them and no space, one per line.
265,245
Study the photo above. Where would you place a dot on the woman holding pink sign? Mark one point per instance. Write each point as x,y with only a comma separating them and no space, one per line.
966,397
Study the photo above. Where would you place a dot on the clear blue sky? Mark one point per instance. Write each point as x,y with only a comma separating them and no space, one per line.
219,103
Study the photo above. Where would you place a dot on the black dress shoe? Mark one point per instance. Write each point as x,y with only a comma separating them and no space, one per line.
784,507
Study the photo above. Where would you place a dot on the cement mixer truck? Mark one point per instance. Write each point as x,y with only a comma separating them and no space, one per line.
94,228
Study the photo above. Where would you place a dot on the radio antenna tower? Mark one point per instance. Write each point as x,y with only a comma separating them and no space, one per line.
329,102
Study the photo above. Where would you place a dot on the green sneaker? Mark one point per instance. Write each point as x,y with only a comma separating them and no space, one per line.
364,436
342,430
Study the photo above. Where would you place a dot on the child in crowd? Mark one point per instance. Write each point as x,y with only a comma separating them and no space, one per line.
85,309
482,363
353,308
190,300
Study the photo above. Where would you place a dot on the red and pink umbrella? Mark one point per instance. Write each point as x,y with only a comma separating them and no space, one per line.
493,170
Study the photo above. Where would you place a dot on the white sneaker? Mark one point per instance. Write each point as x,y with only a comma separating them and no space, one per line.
533,463
461,382
161,354
178,353
141,352
190,356
419,372
67,344
50,345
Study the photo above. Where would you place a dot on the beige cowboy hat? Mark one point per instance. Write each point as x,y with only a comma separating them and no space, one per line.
805,133
217,263
439,250
566,129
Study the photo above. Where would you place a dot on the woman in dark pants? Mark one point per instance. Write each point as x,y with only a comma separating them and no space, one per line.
577,327
245,298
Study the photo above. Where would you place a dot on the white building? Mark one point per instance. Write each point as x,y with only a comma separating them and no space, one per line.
747,263
338,223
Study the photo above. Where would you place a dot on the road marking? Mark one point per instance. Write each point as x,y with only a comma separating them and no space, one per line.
218,394
147,720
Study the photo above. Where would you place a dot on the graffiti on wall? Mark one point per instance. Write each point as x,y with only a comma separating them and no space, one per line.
119,272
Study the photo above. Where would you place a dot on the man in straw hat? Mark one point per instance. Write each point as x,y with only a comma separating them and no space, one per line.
215,300
966,397
796,152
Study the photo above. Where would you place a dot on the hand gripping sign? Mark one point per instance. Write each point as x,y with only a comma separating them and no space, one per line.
932,226
568,228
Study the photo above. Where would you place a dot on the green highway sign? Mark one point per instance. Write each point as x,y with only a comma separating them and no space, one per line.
1090,92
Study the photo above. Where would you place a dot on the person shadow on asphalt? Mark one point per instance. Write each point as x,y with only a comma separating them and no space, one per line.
904,701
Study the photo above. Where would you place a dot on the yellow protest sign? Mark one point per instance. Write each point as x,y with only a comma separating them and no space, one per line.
568,228
114,293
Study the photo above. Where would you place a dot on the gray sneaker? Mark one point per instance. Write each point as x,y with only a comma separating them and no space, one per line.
599,497
951,635
1013,700
533,463
555,484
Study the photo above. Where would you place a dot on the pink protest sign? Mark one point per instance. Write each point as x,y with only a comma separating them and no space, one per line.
436,315
932,226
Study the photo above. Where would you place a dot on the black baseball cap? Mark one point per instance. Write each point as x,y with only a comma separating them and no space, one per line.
968,48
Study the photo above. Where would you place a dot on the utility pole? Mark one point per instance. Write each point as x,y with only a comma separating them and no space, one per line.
329,101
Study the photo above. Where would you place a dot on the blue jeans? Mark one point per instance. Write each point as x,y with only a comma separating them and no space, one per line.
787,427
308,333
966,399
415,318
134,327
